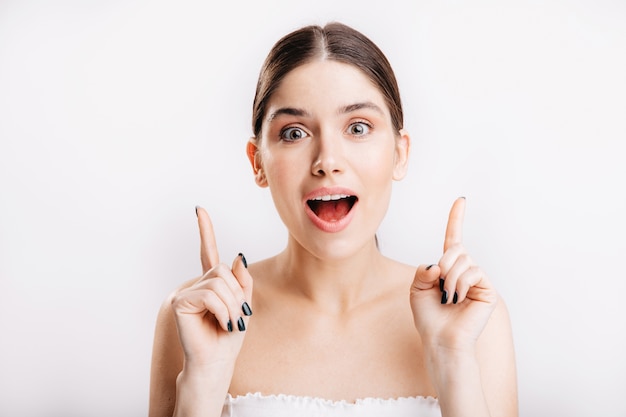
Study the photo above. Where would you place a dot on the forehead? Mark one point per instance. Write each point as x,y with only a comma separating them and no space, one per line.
325,85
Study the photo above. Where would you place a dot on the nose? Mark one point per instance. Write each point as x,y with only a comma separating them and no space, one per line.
328,157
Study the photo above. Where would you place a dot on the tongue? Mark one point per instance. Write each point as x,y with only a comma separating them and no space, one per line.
332,211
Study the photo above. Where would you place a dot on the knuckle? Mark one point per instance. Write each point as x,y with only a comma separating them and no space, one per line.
464,257
462,285
217,284
457,247
176,297
178,303
220,270
174,300
220,310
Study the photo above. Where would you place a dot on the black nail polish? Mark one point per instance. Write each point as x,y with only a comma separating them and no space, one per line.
240,325
455,298
444,297
196,211
243,259
246,309
430,266
229,326
441,281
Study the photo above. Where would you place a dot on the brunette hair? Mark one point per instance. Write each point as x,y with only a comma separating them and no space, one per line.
337,42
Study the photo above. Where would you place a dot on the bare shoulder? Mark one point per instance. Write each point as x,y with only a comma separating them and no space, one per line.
266,276
263,269
404,273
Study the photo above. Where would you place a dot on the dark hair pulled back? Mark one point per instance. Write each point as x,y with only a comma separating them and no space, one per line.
337,42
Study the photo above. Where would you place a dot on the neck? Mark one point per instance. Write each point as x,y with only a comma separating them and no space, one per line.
335,285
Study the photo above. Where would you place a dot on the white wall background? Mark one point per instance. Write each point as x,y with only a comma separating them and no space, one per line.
118,117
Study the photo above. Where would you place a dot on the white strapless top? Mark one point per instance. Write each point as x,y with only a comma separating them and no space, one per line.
259,405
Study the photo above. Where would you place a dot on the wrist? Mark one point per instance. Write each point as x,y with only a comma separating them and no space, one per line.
445,351
207,370
201,391
448,366
456,377
443,360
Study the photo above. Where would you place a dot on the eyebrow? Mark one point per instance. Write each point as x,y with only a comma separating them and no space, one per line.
358,106
292,111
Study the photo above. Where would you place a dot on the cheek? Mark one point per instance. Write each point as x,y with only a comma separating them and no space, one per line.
377,164
285,166
281,171
284,178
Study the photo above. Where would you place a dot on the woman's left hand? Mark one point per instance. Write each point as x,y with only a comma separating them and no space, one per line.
453,299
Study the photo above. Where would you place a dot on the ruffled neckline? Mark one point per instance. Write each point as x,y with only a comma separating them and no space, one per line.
307,400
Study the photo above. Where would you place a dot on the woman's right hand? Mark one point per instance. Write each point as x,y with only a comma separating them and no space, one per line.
211,315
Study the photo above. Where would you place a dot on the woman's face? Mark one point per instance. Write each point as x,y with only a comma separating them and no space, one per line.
328,153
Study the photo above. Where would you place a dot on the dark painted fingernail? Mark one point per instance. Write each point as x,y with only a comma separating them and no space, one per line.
444,297
246,309
243,259
455,298
441,281
430,266
240,325
197,211
229,326
463,197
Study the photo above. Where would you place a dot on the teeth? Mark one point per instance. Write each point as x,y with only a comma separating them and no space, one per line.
331,197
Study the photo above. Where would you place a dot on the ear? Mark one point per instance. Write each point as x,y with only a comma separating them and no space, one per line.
401,159
252,150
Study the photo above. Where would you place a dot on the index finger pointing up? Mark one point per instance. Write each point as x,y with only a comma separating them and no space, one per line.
454,229
209,255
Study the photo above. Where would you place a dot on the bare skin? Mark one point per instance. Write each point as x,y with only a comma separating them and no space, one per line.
326,345
332,317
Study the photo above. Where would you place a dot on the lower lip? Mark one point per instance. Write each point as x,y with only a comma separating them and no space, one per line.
330,227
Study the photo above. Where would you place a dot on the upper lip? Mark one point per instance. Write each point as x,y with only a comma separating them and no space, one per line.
329,193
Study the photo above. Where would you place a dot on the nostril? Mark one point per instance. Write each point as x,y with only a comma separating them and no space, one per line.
325,166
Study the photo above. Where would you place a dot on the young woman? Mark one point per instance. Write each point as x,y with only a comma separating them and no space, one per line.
338,328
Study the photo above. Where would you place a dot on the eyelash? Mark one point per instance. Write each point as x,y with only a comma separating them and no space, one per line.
282,134
369,127
289,128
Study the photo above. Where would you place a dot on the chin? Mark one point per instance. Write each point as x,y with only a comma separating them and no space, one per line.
334,248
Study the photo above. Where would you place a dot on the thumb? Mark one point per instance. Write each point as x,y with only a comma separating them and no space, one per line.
426,277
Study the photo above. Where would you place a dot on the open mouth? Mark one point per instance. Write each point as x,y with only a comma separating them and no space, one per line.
332,208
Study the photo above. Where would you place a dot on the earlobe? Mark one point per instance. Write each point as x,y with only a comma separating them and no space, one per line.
403,147
260,179
252,151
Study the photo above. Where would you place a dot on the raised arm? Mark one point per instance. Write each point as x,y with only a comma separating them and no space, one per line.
199,332
466,331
